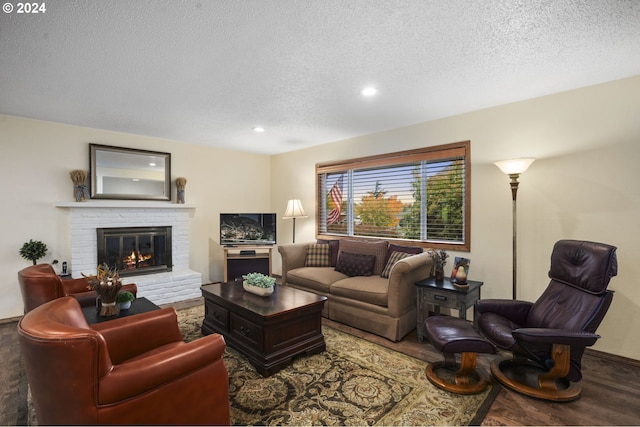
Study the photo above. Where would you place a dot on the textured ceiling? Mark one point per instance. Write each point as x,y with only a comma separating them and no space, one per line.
208,71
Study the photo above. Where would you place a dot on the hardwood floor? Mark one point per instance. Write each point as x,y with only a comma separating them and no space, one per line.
610,387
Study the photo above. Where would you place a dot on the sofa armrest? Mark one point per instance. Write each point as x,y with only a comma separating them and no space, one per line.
404,275
293,256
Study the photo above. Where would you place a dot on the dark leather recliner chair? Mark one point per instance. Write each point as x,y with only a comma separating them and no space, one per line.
131,370
40,283
548,337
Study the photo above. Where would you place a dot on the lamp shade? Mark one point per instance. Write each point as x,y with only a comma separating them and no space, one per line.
294,210
515,166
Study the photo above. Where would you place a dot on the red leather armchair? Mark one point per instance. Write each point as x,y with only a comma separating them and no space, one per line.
131,370
40,283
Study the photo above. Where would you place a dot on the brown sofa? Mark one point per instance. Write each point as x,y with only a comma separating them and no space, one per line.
40,283
383,306
131,370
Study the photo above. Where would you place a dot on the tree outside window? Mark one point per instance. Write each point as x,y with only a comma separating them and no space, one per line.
422,200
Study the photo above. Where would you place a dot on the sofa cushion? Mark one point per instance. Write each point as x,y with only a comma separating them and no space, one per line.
377,248
395,257
371,290
411,250
355,264
335,246
318,256
316,278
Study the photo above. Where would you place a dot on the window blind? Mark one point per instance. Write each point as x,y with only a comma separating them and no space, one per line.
419,196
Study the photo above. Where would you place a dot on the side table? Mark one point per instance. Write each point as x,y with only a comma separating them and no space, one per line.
443,293
138,306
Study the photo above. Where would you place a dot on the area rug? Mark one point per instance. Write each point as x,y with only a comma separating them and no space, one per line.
354,382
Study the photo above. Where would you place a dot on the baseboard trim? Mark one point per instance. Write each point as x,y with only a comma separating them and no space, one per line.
10,320
613,357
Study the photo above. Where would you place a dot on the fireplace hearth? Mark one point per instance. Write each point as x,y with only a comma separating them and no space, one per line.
135,250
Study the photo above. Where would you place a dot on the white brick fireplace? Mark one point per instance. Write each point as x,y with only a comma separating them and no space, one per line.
86,217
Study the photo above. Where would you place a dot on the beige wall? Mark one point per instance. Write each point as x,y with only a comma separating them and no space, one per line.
35,160
583,185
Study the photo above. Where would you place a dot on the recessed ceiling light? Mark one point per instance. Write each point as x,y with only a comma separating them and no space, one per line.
369,91
258,129
152,164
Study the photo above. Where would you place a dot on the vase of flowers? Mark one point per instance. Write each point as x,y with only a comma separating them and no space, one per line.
107,284
258,284
80,189
181,183
440,260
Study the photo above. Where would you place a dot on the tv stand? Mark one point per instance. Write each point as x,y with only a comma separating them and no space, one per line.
240,260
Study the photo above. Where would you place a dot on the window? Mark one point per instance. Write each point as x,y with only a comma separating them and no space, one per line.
419,196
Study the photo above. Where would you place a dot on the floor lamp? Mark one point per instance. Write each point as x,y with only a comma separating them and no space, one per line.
513,168
294,210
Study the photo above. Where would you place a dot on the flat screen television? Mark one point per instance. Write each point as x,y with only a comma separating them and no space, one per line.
247,229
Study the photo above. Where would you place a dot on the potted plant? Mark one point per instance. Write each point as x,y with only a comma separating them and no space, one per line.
258,283
124,299
33,250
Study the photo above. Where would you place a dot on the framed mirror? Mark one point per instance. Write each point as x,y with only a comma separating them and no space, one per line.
126,173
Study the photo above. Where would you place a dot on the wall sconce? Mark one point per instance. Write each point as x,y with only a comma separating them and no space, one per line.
294,210
513,168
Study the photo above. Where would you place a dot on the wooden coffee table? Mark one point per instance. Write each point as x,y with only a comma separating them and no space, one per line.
270,330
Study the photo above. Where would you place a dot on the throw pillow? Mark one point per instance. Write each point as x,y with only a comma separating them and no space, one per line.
411,250
334,244
355,264
318,256
377,248
395,257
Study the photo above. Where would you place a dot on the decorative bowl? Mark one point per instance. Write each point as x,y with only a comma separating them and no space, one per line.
263,292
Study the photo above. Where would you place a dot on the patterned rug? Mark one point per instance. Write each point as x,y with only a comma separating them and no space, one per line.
354,382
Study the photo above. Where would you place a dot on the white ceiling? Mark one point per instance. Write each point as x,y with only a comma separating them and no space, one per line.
208,71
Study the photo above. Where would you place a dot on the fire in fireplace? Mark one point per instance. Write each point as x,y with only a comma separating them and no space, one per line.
135,250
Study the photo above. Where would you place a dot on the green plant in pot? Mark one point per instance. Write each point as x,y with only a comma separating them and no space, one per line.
258,283
124,299
33,250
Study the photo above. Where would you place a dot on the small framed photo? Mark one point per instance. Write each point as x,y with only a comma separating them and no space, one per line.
457,262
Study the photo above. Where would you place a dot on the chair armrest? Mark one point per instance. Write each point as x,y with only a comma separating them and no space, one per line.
513,310
85,298
88,298
144,373
555,336
130,336
293,256
74,286
404,274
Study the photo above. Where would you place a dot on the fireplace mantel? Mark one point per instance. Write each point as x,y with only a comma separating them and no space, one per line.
124,204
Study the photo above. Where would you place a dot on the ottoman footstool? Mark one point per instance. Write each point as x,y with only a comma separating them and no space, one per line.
451,335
